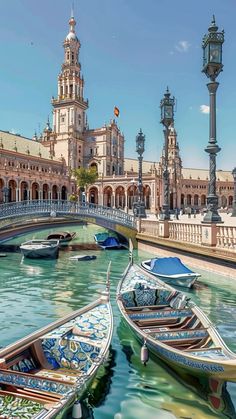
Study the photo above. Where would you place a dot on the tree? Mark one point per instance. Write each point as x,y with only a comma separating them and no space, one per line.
85,177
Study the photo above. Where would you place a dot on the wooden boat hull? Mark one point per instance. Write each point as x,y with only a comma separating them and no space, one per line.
183,337
63,237
53,366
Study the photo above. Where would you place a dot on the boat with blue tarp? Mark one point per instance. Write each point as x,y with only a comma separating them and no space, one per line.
111,243
171,270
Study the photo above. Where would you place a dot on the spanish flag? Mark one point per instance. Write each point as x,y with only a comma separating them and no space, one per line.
116,111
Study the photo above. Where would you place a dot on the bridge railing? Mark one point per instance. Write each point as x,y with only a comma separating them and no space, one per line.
62,207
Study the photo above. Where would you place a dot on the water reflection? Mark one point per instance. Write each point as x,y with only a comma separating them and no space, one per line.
181,394
35,292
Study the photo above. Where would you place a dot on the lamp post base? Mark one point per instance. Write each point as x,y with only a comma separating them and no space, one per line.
165,213
139,210
212,217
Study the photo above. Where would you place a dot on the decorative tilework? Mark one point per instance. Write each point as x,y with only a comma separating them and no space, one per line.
63,349
35,383
16,407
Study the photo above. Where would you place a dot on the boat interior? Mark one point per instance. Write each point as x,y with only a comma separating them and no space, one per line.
62,356
165,316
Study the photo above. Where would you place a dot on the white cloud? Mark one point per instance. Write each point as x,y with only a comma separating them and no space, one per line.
182,46
204,109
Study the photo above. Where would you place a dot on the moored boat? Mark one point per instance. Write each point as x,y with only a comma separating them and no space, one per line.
62,236
172,327
83,257
52,367
171,270
111,243
100,237
40,249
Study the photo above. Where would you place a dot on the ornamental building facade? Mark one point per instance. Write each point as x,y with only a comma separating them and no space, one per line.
41,167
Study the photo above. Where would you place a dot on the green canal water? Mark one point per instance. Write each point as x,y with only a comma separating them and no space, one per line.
36,292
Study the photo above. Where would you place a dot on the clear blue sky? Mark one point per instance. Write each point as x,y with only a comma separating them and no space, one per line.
131,50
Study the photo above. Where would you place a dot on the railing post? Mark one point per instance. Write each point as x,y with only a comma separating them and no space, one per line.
209,234
163,228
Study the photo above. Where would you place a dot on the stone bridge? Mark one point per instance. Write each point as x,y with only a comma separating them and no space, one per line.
21,213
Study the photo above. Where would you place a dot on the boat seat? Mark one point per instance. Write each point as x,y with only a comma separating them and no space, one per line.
139,308
216,348
62,374
158,317
181,335
179,322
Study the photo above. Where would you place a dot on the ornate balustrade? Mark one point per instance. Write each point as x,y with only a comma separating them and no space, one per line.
226,237
150,227
185,232
61,208
217,236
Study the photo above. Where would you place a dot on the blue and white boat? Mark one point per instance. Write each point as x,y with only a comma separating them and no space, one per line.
171,270
44,373
172,327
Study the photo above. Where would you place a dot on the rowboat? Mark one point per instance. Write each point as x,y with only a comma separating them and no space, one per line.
171,270
40,249
48,370
172,327
62,236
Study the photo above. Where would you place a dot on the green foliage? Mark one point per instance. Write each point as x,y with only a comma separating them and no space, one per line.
85,177
73,197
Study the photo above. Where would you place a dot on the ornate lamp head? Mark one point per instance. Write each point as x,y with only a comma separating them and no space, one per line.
212,51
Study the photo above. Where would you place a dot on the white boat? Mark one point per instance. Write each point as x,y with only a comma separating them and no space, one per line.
40,249
171,270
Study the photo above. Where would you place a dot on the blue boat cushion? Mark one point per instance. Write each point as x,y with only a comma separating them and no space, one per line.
24,365
169,266
144,296
64,349
69,353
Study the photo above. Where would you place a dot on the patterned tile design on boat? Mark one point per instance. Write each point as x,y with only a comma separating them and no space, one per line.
185,334
182,360
15,407
160,314
64,349
35,383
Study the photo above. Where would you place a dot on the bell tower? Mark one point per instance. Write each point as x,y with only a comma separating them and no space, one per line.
69,108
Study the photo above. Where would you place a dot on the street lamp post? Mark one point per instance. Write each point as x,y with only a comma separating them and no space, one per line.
5,192
139,207
132,183
167,119
234,200
212,66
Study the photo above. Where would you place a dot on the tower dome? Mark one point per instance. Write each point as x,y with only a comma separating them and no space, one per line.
72,35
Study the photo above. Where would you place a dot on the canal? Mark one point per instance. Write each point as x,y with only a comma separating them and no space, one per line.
36,292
